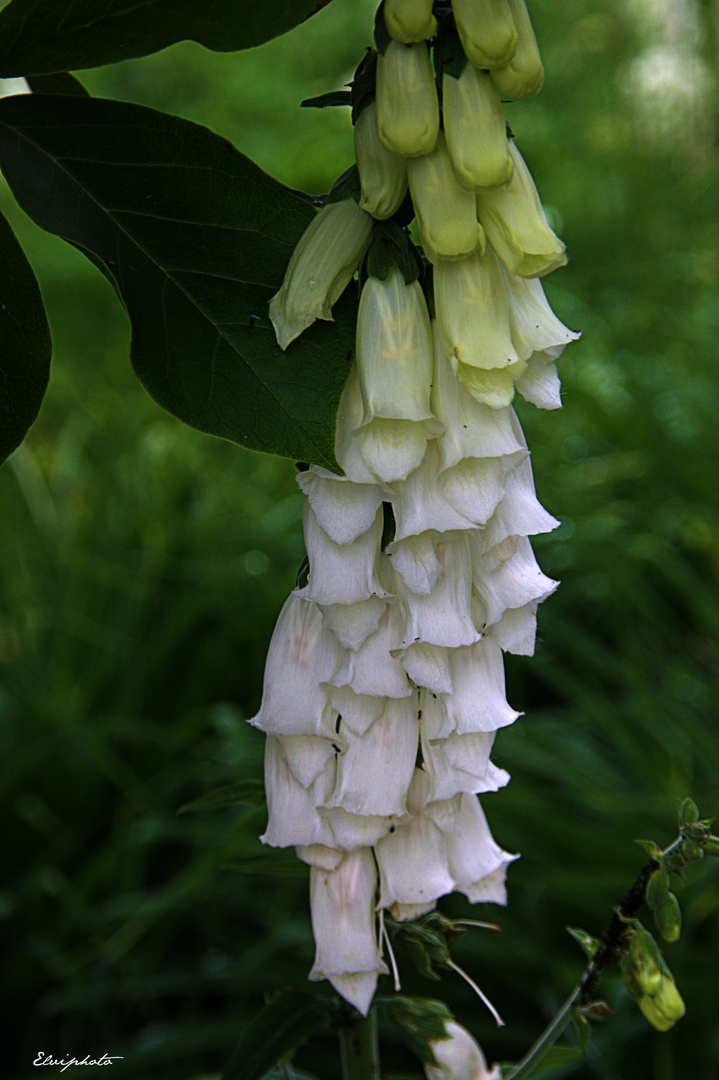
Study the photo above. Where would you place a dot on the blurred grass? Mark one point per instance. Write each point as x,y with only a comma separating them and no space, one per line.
144,565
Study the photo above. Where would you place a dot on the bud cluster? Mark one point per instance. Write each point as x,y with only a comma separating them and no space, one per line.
384,684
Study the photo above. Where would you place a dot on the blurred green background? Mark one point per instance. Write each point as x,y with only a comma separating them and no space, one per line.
144,565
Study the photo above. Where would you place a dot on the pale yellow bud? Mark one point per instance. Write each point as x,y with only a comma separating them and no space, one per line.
487,31
473,312
516,227
383,175
665,1008
476,130
523,75
407,107
410,20
446,212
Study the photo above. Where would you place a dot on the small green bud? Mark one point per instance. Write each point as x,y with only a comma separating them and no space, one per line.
646,962
407,107
665,1008
688,813
711,846
657,889
630,979
668,918
523,75
692,851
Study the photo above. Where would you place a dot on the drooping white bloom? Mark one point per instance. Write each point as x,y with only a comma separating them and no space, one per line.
410,20
458,1057
446,212
473,312
516,226
342,904
344,510
407,107
477,864
486,30
383,175
523,75
322,264
476,130
537,333
293,817
341,573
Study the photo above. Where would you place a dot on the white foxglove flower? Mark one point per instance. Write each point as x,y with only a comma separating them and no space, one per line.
352,624
341,573
494,388
293,817
322,265
343,509
458,1057
410,20
478,700
473,312
523,75
446,212
516,631
355,831
540,384
460,764
476,486
537,333
508,577
419,505
516,226
374,773
444,617
326,858
434,719
413,866
486,30
308,756
477,864
407,107
374,669
519,513
392,449
383,175
342,904
476,130
358,711
428,667
349,419
302,655
415,560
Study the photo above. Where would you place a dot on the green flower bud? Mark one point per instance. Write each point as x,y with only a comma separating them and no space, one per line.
476,131
711,846
657,889
410,20
324,262
630,979
691,851
523,75
407,107
516,227
446,212
688,813
383,175
487,31
646,963
668,918
665,1008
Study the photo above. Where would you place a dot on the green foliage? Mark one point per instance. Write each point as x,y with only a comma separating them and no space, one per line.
197,239
41,36
290,1019
26,344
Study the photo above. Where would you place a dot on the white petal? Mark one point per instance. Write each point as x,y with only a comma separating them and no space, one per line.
358,712
476,129
343,509
419,505
435,721
308,756
491,889
428,665
473,854
473,312
292,809
475,487
349,419
372,669
353,623
341,574
343,922
468,756
471,430
413,865
458,1057
415,560
355,831
520,513
478,701
301,655
444,617
374,773
540,384
407,912
326,858
536,330
508,578
516,631
391,449
488,34
358,989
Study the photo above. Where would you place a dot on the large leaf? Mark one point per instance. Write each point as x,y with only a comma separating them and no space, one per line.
25,345
197,239
285,1023
40,36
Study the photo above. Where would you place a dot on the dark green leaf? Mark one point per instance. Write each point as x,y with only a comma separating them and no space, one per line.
41,36
382,37
270,864
586,942
59,83
26,347
322,101
420,1021
280,1073
244,793
197,239
558,1057
283,1025
449,56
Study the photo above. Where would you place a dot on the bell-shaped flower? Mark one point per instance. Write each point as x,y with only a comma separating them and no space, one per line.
494,388
415,560
383,175
446,212
412,864
471,430
444,617
343,921
519,513
523,75
374,773
308,756
407,107
428,667
475,487
410,20
392,449
473,312
293,817
302,654
516,226
352,624
540,384
355,831
478,701
419,504
486,30
326,858
341,573
344,510
395,353
516,631
358,711
323,263
374,669
460,764
507,577
349,418
458,1057
476,130
476,863
537,333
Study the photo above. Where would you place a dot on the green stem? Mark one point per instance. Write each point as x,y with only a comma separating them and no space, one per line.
359,1048
547,1039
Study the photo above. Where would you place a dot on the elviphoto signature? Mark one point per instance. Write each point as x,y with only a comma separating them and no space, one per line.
47,1059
